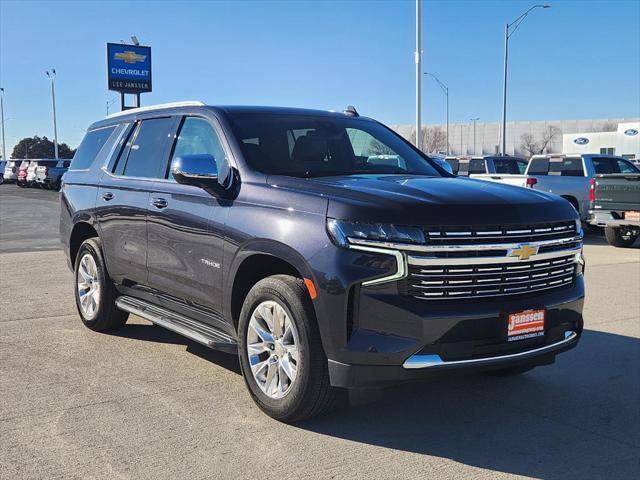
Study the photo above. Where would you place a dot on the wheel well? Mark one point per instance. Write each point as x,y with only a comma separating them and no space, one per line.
573,201
81,231
250,272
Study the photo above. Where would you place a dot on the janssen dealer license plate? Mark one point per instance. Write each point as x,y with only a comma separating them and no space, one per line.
524,325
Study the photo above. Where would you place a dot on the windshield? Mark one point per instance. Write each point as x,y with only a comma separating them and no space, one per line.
316,146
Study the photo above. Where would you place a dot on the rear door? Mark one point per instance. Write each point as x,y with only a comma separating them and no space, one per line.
123,198
186,224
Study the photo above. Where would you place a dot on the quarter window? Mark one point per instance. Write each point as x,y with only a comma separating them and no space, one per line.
90,147
477,166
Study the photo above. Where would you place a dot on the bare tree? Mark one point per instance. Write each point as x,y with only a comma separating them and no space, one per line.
378,148
434,139
528,144
548,135
607,127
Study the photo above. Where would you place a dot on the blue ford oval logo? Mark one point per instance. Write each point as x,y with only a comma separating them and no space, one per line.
631,132
581,141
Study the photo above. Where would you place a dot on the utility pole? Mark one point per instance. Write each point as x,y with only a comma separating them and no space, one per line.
418,54
4,143
474,120
52,75
507,34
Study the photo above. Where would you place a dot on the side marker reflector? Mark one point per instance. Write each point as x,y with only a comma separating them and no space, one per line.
311,287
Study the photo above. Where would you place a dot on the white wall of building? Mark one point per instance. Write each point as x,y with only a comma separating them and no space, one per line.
488,134
624,141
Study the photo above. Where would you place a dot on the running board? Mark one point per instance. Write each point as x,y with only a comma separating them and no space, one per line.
196,331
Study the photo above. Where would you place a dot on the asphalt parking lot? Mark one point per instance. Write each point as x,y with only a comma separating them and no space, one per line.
146,403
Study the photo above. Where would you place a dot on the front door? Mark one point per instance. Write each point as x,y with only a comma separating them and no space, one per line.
186,225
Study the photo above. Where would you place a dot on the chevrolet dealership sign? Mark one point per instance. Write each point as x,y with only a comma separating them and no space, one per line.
128,68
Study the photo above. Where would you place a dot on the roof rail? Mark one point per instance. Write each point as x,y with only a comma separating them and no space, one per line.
196,103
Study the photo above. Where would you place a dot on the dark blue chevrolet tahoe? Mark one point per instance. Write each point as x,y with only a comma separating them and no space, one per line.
320,247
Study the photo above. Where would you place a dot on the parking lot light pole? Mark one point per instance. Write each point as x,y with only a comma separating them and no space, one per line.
4,143
52,75
474,120
507,34
418,59
445,89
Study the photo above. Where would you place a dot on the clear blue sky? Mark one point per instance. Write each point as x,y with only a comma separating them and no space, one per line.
579,59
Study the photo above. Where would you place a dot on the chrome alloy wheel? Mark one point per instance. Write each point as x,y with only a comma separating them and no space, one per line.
272,348
88,286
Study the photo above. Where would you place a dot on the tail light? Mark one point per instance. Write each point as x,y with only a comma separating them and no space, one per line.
531,182
46,171
592,190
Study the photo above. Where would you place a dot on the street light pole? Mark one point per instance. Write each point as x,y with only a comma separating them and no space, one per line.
507,34
474,120
4,143
445,89
418,58
52,75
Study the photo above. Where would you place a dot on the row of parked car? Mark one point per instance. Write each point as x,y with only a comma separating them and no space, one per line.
45,173
604,189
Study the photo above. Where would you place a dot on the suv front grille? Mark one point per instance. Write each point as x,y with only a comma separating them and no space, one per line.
489,280
474,235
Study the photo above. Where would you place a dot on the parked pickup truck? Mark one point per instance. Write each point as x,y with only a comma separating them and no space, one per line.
281,236
566,175
489,165
615,205
49,173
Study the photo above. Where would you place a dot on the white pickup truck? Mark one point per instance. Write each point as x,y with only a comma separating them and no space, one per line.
569,176
486,165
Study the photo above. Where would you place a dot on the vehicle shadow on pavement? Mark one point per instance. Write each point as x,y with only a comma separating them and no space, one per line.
578,418
153,333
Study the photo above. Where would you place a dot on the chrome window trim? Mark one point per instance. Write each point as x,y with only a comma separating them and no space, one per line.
435,361
462,248
401,262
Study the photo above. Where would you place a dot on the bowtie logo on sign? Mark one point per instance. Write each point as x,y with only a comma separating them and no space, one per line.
130,57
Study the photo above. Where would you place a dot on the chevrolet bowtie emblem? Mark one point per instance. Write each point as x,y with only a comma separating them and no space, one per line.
524,252
130,57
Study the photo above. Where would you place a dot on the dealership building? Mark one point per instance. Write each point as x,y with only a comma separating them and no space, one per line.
618,136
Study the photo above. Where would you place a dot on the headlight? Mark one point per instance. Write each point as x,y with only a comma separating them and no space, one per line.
341,231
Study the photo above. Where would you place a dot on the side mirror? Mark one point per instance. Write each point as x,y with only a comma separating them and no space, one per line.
198,170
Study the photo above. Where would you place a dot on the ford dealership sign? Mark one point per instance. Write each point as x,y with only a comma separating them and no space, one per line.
631,132
581,141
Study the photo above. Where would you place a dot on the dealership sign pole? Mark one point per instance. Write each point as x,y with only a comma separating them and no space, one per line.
128,70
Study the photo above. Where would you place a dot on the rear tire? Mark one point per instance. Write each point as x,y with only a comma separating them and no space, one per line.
618,238
95,293
284,299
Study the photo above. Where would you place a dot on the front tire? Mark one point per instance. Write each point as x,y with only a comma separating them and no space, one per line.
617,237
95,293
282,359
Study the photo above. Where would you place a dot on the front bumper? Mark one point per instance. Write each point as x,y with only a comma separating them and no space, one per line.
396,338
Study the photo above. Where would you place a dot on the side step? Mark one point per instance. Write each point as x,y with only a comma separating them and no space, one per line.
196,331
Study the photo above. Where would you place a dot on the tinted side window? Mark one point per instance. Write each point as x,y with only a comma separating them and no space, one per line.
146,155
626,167
477,166
90,147
538,166
453,162
197,137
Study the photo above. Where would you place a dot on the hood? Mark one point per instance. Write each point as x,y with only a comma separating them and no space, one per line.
419,200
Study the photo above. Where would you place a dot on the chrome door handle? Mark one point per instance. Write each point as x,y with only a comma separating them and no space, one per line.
106,196
159,203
